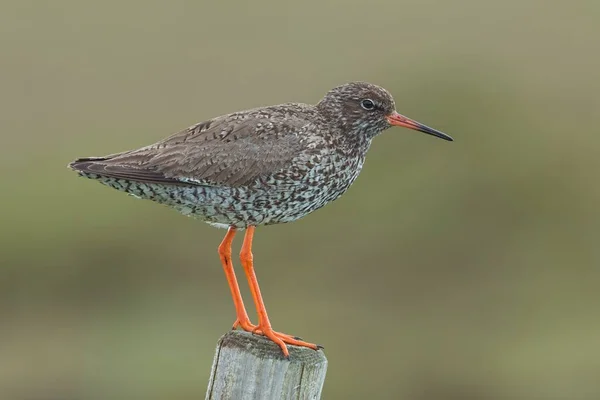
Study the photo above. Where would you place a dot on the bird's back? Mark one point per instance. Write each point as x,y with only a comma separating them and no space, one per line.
231,150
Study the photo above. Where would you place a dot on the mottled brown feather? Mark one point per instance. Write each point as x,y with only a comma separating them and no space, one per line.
231,150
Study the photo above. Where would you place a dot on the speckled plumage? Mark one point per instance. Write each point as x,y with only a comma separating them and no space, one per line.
257,167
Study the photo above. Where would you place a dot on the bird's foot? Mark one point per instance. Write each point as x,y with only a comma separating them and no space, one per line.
279,338
248,326
245,324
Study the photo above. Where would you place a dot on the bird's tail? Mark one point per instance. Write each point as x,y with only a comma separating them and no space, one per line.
112,167
89,167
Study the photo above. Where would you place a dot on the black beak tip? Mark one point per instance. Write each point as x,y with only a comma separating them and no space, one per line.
434,132
440,135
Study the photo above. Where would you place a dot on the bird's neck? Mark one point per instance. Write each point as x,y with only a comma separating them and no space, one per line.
354,144
346,138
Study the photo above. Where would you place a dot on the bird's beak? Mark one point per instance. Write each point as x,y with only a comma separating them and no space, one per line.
396,119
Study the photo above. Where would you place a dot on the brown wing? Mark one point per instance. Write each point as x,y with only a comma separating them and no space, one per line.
232,150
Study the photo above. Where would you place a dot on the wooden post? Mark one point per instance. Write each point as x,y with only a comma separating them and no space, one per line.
248,366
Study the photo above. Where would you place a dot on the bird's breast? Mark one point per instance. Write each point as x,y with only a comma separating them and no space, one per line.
310,182
317,180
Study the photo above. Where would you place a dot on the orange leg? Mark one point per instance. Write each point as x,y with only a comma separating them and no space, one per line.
264,325
242,319
225,255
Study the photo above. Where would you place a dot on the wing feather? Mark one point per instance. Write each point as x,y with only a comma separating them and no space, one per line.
233,150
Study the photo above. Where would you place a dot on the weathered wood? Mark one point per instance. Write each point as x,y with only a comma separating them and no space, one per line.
252,367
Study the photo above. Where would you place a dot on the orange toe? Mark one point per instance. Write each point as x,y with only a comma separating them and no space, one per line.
281,339
245,324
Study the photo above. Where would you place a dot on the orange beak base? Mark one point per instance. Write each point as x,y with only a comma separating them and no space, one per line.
396,119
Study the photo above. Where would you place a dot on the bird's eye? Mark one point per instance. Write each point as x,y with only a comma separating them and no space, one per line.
367,104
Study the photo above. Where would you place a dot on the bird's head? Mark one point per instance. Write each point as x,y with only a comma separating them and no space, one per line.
369,109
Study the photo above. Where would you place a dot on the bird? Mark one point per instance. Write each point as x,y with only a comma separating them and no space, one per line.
262,166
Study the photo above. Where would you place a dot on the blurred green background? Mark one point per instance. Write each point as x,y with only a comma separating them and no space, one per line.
448,271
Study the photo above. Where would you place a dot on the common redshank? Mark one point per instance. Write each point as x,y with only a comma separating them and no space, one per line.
262,166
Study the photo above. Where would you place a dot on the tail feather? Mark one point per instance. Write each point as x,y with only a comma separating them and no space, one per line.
99,167
86,164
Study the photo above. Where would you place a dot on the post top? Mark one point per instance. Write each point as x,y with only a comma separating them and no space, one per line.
263,348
